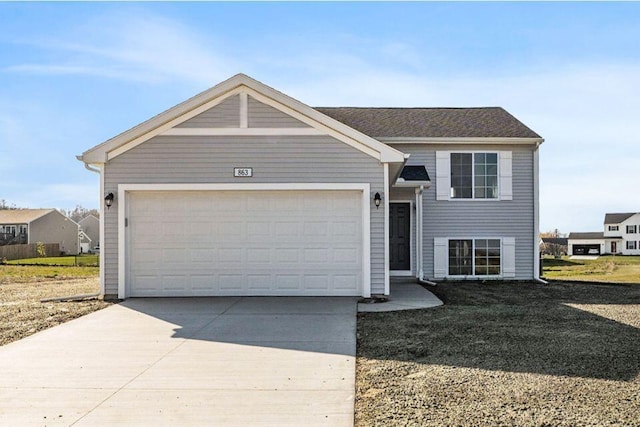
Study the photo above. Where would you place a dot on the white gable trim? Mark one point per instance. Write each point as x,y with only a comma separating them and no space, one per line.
239,84
241,132
337,129
163,128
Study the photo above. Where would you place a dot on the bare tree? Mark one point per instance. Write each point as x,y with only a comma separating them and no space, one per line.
4,205
79,213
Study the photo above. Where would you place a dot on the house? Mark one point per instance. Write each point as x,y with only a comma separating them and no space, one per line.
243,190
90,226
21,226
621,236
586,243
622,233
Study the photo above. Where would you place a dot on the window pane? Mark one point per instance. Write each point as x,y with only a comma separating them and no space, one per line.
460,260
487,257
461,175
492,158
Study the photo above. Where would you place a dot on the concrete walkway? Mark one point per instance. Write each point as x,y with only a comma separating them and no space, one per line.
405,294
198,361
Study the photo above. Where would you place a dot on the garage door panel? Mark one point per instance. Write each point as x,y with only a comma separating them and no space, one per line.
245,243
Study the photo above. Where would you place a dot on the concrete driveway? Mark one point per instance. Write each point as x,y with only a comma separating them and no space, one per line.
188,361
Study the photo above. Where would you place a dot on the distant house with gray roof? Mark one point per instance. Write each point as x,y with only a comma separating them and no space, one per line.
21,226
621,236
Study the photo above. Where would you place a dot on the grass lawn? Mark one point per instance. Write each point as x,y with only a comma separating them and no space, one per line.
22,287
614,269
80,260
504,354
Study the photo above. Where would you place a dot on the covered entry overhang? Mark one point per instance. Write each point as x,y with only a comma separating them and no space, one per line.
406,221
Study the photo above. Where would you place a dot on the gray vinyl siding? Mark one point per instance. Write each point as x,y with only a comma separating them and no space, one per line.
211,159
507,218
224,115
264,116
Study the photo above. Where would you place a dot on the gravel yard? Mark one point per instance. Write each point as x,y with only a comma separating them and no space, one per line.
21,289
504,354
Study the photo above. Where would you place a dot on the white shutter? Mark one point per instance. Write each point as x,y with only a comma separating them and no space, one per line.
443,175
508,257
439,257
506,175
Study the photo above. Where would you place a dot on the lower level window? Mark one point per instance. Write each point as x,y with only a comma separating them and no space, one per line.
631,244
474,257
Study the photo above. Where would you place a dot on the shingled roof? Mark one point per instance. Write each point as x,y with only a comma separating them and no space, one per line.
586,236
485,122
617,218
21,216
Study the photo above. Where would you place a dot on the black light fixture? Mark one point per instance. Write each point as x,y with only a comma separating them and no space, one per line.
108,200
377,199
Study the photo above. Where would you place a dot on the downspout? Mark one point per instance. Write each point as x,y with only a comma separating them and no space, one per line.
101,256
536,217
419,246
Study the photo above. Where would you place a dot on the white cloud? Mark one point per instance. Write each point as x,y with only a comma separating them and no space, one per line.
134,47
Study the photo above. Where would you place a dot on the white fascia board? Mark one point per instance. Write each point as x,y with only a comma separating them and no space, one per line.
332,127
235,85
93,154
460,141
241,132
170,124
402,183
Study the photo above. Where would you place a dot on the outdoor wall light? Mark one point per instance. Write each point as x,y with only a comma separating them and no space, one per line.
377,199
108,200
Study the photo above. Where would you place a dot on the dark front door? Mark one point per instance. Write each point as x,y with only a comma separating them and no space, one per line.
399,236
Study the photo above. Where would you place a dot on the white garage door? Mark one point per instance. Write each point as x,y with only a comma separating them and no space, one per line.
206,243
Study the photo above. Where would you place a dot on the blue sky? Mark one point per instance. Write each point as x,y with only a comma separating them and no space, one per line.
75,74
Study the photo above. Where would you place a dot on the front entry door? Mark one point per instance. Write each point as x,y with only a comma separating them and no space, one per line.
399,236
614,247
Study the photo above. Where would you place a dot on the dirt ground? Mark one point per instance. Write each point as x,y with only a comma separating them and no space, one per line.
504,355
22,314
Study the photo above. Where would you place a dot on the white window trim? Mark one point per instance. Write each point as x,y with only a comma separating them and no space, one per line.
409,272
505,176
473,257
123,189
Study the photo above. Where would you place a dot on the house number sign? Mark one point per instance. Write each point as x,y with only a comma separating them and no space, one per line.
243,172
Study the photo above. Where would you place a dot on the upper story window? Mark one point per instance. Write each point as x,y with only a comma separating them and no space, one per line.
631,244
474,175
631,229
613,228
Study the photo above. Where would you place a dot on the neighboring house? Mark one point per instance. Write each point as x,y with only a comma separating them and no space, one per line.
586,243
20,226
621,236
622,233
90,226
243,190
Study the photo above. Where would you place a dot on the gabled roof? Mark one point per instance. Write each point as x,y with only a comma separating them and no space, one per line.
587,236
185,110
562,241
485,122
90,216
617,218
22,216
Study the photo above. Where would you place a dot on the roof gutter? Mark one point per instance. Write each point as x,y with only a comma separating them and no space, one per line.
461,140
87,165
